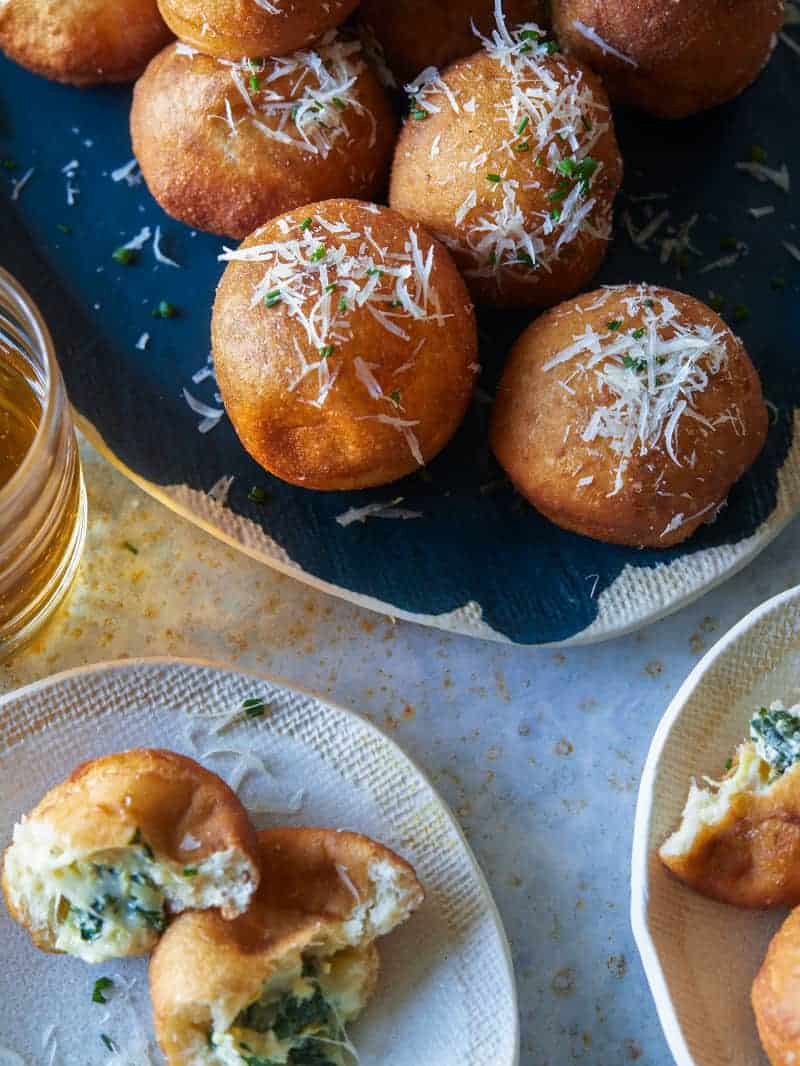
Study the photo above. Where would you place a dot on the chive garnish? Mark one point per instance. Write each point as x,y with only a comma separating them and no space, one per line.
254,83
494,178
419,114
130,547
523,125
190,871
614,324
758,154
319,253
257,494
332,287
254,707
394,396
305,224
325,351
109,1043
164,310
638,333
273,298
125,256
100,986
342,303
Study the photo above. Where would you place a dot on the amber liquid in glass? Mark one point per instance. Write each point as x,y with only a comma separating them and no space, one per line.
21,411
20,414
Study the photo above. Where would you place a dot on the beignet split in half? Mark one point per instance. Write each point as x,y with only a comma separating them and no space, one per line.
280,983
107,856
739,838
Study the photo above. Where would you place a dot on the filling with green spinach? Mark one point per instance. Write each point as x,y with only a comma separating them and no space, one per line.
775,731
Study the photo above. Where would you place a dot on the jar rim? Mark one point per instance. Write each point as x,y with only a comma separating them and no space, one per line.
41,338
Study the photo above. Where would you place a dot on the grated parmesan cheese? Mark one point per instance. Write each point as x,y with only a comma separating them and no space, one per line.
763,173
304,99
558,121
646,380
607,49
376,510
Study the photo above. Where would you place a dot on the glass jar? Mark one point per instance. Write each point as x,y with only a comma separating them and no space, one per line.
42,496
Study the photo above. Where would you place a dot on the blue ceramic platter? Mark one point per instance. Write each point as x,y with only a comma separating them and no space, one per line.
480,560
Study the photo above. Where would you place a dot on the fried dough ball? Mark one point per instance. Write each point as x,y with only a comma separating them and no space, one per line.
739,841
225,146
415,34
515,170
671,59
235,28
776,995
82,42
99,865
628,414
344,344
297,967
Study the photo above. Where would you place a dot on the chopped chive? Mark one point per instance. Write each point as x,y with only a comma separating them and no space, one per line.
342,303
757,154
492,259
100,986
254,83
109,1043
164,310
305,224
394,396
334,285
257,494
374,270
551,47
638,333
741,312
587,123
522,126
254,707
190,871
125,256
273,298
493,178
566,167
614,324
728,764
319,253
523,146
419,113
131,547
325,351
136,838
633,364
649,302
525,259
339,102
555,214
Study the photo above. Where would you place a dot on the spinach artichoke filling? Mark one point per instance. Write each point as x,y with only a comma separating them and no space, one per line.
99,897
775,731
302,1027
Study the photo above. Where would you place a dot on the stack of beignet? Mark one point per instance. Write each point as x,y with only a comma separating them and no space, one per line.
263,943
739,842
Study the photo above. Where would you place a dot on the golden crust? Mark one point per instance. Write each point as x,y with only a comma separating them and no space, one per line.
228,184
82,42
202,961
168,798
341,443
448,34
776,995
433,177
689,55
751,857
533,410
235,28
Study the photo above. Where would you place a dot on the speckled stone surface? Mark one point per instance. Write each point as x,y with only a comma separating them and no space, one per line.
538,751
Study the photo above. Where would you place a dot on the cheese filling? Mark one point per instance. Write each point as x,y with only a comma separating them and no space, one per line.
300,1018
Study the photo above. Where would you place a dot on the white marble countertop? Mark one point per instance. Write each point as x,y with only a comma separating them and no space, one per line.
538,751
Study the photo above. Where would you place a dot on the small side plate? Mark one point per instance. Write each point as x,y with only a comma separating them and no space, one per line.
447,993
700,957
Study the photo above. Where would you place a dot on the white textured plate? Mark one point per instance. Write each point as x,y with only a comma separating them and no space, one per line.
700,957
447,996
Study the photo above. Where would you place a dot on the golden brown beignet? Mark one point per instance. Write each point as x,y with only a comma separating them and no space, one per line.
447,32
254,28
671,59
344,344
98,865
226,146
515,171
82,42
776,995
222,987
628,414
